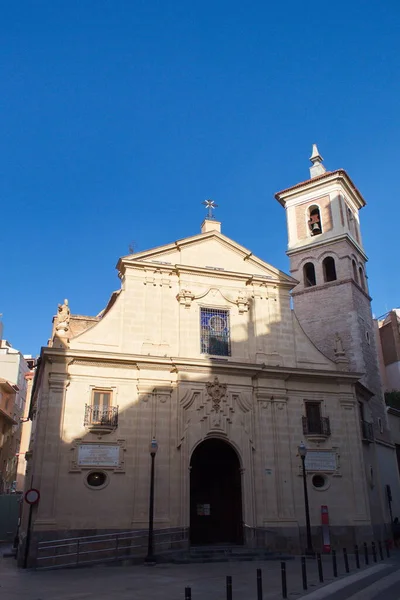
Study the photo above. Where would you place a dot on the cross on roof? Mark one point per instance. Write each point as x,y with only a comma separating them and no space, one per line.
210,205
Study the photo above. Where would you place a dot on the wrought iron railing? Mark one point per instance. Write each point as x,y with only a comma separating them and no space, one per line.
100,416
320,426
109,547
367,431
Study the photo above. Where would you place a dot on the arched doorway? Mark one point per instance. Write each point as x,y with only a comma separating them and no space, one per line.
215,494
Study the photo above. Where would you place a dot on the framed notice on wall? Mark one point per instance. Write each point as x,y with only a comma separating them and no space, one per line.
203,510
98,455
321,460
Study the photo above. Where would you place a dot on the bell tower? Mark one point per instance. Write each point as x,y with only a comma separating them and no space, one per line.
333,305
327,258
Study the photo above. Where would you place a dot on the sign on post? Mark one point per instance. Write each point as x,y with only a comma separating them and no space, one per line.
32,496
326,539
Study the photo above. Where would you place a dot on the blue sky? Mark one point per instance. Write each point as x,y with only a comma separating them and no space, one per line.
119,118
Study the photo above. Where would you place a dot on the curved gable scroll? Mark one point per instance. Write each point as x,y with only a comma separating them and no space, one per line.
214,291
186,297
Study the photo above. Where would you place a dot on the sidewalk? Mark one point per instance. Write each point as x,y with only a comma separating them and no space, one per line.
164,581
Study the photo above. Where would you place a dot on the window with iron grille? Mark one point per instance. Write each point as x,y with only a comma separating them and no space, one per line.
215,332
314,423
101,411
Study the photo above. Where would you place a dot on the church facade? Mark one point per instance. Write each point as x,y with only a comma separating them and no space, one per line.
200,350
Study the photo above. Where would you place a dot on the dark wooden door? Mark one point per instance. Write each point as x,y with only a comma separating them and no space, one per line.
215,495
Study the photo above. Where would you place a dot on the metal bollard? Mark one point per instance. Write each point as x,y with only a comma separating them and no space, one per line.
387,548
380,550
374,551
259,584
304,572
320,572
228,587
283,577
366,553
357,556
334,563
346,560
188,593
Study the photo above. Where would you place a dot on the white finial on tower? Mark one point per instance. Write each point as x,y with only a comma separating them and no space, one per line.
317,166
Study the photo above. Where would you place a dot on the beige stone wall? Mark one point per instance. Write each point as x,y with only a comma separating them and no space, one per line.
158,311
263,424
146,351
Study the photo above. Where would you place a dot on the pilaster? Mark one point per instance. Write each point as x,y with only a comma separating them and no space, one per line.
51,442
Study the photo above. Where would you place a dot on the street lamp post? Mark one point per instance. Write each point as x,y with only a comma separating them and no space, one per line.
150,559
303,452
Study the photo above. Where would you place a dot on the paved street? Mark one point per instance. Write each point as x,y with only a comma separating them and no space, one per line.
206,580
379,582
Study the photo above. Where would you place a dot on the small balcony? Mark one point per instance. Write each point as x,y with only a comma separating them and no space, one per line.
367,432
317,429
99,419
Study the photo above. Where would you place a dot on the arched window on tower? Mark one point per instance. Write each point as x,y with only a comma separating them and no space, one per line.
355,274
309,275
314,221
362,278
329,269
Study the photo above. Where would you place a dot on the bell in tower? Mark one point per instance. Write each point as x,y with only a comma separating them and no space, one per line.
314,222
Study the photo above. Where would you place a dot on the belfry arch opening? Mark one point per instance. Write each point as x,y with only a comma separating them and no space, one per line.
215,494
309,275
314,220
329,269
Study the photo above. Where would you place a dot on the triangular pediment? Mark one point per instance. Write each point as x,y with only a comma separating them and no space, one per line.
213,251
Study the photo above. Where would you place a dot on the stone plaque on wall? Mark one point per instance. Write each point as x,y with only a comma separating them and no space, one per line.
320,461
98,455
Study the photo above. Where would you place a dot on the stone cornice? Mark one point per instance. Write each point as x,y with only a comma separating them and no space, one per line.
280,279
180,364
318,183
329,240
322,286
147,257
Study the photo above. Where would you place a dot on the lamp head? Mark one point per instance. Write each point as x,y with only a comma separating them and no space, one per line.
302,450
153,446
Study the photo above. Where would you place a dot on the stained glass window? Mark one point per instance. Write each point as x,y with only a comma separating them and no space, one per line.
215,332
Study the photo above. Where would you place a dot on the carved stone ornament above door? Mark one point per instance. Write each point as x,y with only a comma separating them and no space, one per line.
216,391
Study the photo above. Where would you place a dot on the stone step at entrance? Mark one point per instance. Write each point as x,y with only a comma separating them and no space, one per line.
204,554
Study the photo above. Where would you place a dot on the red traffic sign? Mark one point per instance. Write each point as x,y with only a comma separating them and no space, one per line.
32,496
